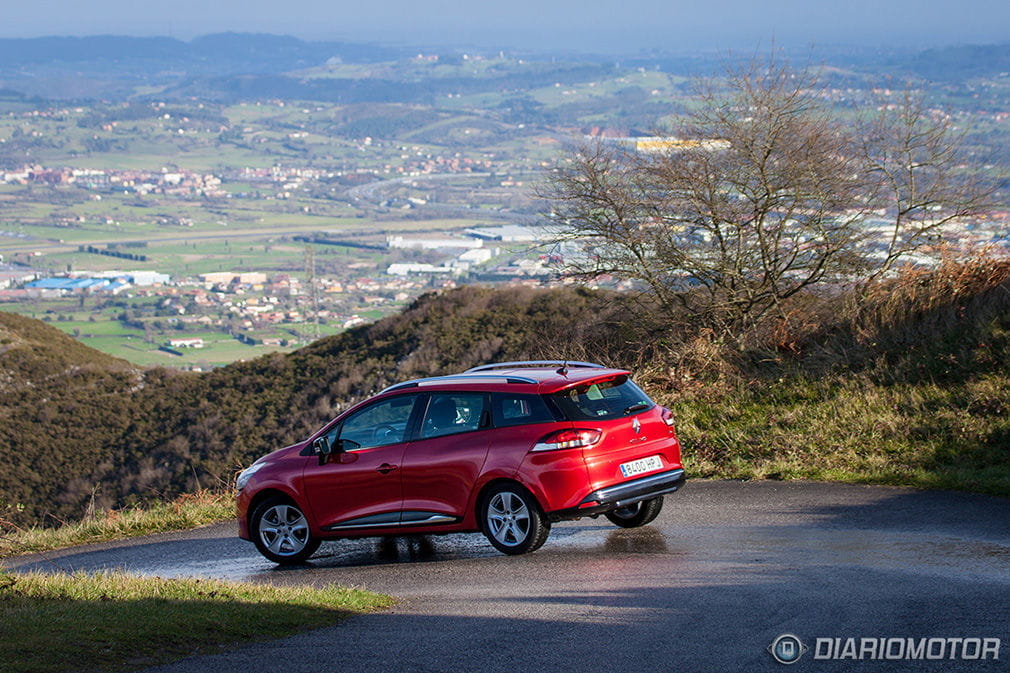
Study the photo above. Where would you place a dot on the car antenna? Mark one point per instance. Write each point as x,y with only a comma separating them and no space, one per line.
564,368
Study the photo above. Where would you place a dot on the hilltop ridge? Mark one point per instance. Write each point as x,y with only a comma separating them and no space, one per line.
33,352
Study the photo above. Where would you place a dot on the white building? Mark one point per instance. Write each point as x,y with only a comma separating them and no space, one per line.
432,243
477,255
403,269
353,321
508,233
186,343
135,277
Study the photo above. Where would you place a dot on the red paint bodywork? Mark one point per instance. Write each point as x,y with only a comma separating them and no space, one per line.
447,475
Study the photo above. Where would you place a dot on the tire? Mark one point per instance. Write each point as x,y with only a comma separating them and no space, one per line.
636,515
512,521
281,533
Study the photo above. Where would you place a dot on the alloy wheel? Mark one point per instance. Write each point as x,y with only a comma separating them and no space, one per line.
508,518
284,530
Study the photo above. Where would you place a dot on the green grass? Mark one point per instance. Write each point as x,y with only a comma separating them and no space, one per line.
851,429
185,512
220,349
99,328
110,336
107,334
115,622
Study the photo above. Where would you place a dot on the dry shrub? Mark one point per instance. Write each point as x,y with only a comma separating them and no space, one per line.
933,324
702,361
922,323
921,299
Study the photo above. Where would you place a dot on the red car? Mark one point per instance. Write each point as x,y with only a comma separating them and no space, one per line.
505,449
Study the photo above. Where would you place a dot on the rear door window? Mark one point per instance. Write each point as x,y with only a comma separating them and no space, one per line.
603,400
452,413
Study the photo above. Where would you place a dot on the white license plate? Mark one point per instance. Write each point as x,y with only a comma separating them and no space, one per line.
641,466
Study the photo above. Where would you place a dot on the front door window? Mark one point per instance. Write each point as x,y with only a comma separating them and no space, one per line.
380,424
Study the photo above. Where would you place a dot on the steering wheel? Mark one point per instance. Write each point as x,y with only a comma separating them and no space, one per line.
383,433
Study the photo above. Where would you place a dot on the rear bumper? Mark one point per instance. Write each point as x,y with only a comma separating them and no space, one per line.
624,494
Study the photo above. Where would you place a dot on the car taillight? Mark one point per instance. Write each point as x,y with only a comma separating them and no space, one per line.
667,416
568,439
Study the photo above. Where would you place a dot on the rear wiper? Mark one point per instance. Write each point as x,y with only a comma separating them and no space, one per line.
636,407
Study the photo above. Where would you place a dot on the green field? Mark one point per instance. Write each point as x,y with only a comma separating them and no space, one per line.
102,329
309,156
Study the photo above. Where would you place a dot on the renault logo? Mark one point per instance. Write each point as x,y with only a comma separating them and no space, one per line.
637,426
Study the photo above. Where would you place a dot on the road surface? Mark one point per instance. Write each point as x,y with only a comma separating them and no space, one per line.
726,569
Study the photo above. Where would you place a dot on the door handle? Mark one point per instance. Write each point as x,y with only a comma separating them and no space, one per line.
385,468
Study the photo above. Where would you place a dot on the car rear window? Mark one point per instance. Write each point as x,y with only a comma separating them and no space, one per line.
601,400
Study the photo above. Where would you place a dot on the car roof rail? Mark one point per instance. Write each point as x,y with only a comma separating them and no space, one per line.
563,365
463,378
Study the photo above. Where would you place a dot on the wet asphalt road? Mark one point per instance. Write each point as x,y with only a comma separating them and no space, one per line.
724,570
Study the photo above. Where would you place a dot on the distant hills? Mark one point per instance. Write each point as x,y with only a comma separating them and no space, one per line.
232,66
229,66
112,67
962,62
218,53
406,89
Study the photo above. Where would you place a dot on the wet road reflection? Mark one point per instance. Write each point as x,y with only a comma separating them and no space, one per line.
705,534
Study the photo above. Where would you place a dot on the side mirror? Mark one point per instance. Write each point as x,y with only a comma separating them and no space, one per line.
322,448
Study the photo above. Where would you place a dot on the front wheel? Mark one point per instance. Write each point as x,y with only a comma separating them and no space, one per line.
636,515
281,532
512,521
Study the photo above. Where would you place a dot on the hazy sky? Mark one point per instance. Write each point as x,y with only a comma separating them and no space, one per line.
625,25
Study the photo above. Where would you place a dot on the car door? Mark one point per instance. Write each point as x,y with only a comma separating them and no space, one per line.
359,486
441,466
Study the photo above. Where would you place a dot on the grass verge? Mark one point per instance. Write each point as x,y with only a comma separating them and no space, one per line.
186,511
851,429
117,622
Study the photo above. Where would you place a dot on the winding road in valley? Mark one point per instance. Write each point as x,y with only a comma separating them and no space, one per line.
726,569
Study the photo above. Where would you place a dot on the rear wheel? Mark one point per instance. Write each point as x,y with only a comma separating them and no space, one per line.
281,531
512,521
636,515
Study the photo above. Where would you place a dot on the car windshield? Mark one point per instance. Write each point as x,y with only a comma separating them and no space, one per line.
600,400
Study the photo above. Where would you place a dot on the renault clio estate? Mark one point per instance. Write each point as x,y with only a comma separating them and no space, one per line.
505,449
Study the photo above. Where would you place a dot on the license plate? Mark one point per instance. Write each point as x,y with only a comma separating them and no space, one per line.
641,465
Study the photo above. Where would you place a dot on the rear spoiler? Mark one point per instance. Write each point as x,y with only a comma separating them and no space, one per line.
609,375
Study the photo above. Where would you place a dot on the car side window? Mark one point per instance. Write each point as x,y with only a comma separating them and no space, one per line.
379,424
515,409
452,413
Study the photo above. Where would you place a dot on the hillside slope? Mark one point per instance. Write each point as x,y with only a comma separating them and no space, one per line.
63,409
78,427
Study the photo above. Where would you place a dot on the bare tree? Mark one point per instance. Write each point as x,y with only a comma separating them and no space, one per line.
765,194
914,158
